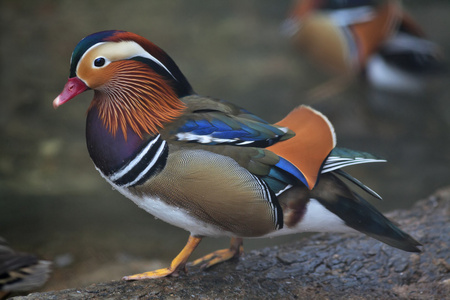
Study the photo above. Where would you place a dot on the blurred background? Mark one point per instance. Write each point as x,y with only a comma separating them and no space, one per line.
55,204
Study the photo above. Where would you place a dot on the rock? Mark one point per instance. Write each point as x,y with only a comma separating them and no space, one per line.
319,267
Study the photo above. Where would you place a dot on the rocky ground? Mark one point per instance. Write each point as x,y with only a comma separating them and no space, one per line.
321,267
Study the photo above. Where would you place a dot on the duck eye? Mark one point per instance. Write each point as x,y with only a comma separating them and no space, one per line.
99,62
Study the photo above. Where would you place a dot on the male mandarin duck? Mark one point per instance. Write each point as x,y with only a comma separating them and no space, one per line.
208,166
20,271
376,38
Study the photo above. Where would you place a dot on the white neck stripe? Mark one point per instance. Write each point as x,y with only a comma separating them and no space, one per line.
149,166
134,162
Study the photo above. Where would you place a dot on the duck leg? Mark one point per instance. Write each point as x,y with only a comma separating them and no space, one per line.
178,263
235,250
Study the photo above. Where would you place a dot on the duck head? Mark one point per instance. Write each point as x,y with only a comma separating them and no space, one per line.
135,83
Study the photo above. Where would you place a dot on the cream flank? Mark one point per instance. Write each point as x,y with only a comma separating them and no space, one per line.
316,219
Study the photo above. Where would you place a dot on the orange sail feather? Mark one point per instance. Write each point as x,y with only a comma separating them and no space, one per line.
313,141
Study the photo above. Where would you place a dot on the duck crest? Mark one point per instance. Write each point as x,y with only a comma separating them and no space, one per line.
181,85
151,48
137,97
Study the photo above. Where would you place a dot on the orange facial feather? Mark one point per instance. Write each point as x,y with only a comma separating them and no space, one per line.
137,97
313,141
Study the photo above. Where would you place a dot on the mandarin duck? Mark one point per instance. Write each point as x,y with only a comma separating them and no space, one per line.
407,61
207,165
20,271
374,38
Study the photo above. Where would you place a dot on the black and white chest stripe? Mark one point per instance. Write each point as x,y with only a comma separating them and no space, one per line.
150,160
271,198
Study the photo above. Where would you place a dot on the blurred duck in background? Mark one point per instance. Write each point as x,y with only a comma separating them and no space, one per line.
20,271
373,38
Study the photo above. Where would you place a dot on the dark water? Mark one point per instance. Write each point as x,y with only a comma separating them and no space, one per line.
54,203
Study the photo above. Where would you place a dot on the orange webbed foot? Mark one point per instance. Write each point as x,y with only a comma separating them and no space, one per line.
216,257
177,265
153,274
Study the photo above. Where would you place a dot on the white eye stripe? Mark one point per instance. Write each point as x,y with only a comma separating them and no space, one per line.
145,54
113,51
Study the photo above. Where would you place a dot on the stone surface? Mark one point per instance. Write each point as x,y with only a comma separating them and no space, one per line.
323,266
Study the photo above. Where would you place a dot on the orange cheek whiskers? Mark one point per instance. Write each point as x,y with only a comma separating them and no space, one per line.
138,98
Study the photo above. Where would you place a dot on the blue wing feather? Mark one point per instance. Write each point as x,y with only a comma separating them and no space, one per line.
283,174
203,131
220,125
188,126
289,168
234,134
212,128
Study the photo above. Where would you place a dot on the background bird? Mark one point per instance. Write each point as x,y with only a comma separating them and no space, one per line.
209,166
377,39
20,271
